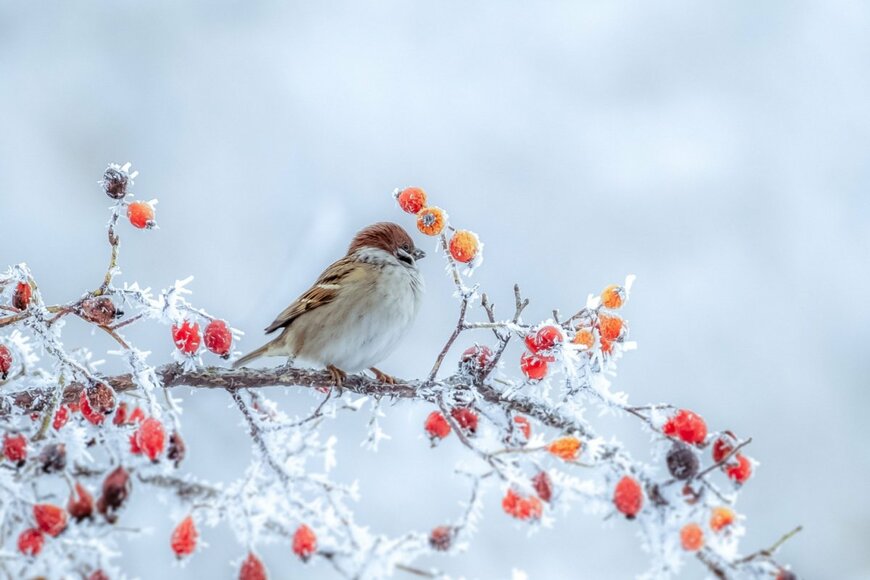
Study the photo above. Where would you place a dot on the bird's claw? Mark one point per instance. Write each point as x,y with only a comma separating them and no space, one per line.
338,378
383,377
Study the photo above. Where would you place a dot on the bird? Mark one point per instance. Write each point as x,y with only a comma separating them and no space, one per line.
357,311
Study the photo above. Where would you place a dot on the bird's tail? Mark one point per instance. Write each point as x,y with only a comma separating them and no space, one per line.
253,355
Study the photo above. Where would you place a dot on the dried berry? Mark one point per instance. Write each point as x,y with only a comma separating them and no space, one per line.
721,518
184,538
682,462
584,338
687,426
81,504
543,486
151,438
101,398
476,359
30,542
15,448
741,470
692,537
441,538
533,366
186,337
565,448
466,419
304,542
115,182
21,298
116,489
100,310
464,246
60,417
141,215
628,497
218,338
120,417
50,519
176,451
436,426
252,569
611,328
613,296
5,362
431,221
411,199
520,507
52,458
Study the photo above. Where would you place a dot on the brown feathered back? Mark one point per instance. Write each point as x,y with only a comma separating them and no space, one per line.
384,235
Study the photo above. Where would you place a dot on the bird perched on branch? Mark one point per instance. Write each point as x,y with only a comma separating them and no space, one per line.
358,309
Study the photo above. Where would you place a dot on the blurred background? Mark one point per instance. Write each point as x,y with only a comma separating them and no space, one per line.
718,150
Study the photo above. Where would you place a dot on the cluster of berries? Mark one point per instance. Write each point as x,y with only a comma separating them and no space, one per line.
464,245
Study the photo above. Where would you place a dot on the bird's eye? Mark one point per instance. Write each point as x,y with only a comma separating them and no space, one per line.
406,247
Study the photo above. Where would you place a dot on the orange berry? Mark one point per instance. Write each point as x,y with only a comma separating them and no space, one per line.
431,221
692,537
184,538
584,338
411,199
141,215
567,448
304,542
606,346
721,518
610,327
464,246
613,296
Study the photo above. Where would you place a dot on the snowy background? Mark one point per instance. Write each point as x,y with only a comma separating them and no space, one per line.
717,150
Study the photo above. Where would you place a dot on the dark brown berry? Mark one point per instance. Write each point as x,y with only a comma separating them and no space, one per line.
100,310
101,398
682,462
116,489
81,504
115,183
176,450
543,486
441,538
52,458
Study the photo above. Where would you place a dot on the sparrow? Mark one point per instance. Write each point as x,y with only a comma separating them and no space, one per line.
357,311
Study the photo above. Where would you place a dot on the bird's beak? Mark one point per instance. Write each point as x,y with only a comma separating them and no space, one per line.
418,254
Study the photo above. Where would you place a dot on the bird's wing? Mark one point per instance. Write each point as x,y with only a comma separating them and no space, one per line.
324,291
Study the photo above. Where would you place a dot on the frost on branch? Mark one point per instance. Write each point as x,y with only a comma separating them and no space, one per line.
77,443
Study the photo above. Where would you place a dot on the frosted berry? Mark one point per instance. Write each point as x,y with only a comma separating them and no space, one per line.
184,538
436,426
88,413
101,398
722,447
784,574
441,538
544,339
116,489
565,448
533,366
218,338
50,519
721,518
98,575
740,471
476,358
60,417
543,486
100,310
81,503
186,337
522,424
177,449
304,542
120,417
15,448
137,416
464,246
606,346
21,298
682,462
431,221
134,445
628,497
252,569
141,215
613,297
466,419
692,537
151,438
30,542
610,327
5,361
115,182
411,199
687,426
520,507
584,338
52,458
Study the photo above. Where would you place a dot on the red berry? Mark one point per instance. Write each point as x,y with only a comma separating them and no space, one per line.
692,537
304,542
81,503
610,327
21,298
740,471
687,426
134,445
88,412
218,338
15,448
628,496
141,215
465,418
436,425
50,519
522,508
252,569
441,538
544,339
184,538
722,447
120,417
786,575
151,438
524,426
476,358
137,416
61,417
411,199
30,542
186,337
98,575
533,366
543,486
5,361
